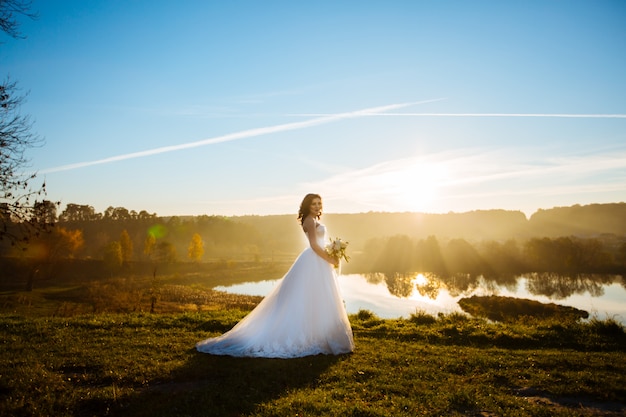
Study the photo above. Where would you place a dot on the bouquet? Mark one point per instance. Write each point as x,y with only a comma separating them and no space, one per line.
337,249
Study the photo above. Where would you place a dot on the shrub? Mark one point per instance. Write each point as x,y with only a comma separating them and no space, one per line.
421,317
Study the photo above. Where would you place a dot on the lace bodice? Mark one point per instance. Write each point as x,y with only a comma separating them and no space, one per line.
320,234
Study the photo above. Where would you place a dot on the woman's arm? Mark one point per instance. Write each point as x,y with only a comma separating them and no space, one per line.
309,227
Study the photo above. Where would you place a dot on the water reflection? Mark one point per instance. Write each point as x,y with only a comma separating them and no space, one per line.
552,285
559,286
400,294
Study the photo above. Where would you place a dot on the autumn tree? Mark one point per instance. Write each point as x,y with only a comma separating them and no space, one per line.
126,245
165,252
67,242
50,248
112,256
60,243
196,248
149,245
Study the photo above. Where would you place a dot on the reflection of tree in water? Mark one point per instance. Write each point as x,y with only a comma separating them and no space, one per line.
559,286
374,277
459,284
431,287
552,285
465,284
504,280
400,285
489,286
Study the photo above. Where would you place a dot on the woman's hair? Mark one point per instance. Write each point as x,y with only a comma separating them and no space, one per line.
305,206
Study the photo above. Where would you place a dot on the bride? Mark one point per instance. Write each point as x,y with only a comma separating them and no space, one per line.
303,315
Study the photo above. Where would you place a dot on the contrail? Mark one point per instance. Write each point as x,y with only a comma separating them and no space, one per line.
323,119
556,115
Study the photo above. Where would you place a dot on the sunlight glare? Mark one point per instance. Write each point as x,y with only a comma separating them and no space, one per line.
421,280
417,186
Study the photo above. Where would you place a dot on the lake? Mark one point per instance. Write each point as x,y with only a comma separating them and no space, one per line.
399,295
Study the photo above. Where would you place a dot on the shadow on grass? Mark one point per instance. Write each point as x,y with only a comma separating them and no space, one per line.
210,385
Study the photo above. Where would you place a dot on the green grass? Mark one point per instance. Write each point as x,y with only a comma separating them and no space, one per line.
139,364
78,347
499,308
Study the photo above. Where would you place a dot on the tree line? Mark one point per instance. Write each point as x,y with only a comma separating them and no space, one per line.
118,233
567,255
120,236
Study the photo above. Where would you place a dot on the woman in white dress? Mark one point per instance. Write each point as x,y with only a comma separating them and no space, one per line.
303,315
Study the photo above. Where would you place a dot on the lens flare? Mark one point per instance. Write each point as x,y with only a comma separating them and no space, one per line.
157,231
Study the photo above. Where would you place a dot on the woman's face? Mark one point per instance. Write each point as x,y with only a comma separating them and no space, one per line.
316,207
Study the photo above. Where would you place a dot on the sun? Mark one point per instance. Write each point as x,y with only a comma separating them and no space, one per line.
418,185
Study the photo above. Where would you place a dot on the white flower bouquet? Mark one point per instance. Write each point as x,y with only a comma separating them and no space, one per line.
337,249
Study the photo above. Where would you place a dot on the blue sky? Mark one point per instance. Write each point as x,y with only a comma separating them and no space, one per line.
242,107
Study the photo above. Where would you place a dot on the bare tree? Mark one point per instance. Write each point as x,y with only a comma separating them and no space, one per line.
9,12
18,199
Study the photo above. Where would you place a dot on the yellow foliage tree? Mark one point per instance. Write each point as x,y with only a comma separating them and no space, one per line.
60,243
126,245
149,245
196,248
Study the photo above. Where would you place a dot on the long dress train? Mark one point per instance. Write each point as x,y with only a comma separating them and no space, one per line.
303,315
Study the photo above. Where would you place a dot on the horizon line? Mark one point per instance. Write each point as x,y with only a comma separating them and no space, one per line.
401,211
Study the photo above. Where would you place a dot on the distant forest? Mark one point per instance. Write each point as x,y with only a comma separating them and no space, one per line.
590,238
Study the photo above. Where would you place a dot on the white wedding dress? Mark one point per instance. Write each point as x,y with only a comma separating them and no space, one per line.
303,315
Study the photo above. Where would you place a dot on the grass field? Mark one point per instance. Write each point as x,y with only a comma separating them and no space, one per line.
146,365
94,349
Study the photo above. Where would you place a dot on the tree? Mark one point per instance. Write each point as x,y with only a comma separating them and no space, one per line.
18,198
431,257
48,249
144,215
9,10
165,252
621,259
117,213
149,245
45,212
113,256
60,243
196,248
126,245
78,213
460,256
68,242
397,255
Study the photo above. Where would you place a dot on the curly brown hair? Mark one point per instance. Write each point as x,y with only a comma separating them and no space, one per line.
305,206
